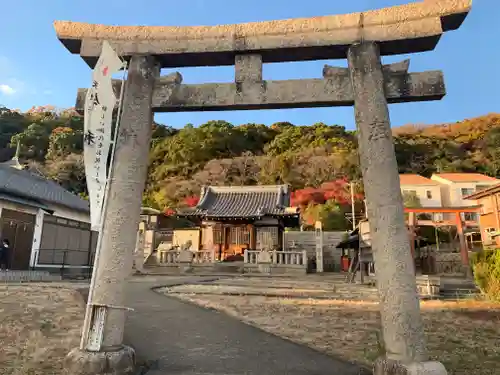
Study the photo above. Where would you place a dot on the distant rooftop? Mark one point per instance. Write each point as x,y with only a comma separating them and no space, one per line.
22,184
415,179
466,177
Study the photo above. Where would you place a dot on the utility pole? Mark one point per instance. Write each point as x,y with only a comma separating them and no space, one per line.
353,211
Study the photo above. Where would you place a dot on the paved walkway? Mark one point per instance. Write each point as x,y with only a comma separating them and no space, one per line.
180,338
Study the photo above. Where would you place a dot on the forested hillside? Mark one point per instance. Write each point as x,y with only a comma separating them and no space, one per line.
316,159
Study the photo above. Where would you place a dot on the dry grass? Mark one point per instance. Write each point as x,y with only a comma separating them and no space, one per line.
38,326
464,335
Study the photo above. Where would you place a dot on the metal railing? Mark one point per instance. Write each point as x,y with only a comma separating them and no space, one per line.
59,259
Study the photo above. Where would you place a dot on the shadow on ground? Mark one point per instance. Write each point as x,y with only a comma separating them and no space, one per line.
176,337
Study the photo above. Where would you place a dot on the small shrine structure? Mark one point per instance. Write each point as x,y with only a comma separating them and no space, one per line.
237,218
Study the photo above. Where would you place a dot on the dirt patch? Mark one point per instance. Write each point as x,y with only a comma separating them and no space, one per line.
485,315
39,324
351,328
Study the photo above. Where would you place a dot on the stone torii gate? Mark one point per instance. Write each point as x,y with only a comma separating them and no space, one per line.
362,38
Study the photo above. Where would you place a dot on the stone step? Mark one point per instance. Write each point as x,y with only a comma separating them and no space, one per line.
231,267
28,276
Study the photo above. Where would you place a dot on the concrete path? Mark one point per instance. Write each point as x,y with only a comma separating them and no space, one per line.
180,338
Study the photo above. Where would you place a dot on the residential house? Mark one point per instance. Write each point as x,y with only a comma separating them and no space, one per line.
427,191
46,225
456,187
489,216
235,218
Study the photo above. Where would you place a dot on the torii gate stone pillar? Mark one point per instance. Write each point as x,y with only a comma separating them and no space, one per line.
399,302
121,223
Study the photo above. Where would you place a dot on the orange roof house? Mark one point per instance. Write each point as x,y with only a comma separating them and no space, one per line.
415,179
465,177
489,216
427,191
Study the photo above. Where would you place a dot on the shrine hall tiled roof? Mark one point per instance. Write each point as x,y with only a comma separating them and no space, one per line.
242,202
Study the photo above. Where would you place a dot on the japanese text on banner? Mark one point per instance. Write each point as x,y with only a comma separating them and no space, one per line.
99,104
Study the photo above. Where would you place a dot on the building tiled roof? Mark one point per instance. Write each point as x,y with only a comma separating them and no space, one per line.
466,177
415,179
241,202
24,184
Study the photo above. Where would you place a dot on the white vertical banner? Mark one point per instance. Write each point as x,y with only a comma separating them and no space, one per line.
99,104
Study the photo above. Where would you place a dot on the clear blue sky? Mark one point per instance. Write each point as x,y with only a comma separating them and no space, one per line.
35,69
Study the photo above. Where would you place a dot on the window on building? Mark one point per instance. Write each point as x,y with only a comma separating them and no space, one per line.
217,233
470,216
424,216
438,217
240,236
482,187
410,192
467,191
429,194
267,237
487,204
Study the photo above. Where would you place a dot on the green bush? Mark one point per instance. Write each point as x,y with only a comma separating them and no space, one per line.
486,266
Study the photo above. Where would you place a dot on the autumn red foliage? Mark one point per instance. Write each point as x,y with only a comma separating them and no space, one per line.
338,191
191,201
169,212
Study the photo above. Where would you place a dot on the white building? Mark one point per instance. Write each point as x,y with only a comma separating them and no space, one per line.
46,225
456,186
427,191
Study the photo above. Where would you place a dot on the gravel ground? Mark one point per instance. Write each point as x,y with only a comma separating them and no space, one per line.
39,324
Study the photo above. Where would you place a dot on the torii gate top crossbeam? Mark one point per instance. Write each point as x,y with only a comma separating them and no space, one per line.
413,27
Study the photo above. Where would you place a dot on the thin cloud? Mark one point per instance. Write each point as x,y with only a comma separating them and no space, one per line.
7,90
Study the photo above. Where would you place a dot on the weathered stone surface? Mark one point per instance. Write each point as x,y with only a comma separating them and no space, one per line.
400,67
400,29
399,303
302,93
264,257
185,256
383,366
248,68
119,362
123,207
428,286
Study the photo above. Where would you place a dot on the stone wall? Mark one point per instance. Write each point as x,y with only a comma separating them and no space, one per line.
448,263
307,241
